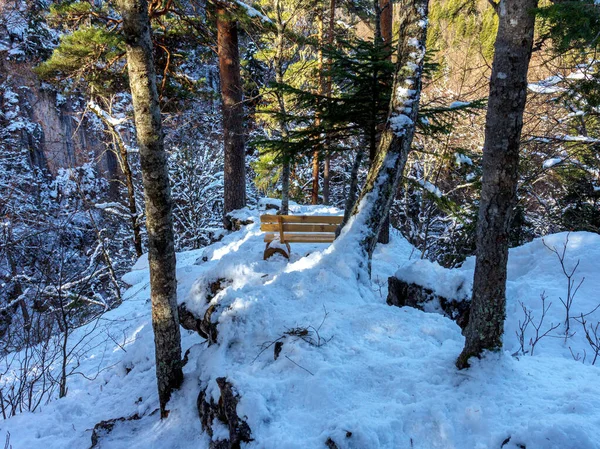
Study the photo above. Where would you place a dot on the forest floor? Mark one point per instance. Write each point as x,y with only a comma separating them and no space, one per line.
351,368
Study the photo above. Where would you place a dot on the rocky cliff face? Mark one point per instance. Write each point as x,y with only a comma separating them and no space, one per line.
47,124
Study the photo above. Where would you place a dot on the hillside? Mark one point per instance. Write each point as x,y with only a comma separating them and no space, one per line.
352,370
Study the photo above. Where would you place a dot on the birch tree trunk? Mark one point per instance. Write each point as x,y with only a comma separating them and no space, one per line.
157,196
504,121
233,111
396,138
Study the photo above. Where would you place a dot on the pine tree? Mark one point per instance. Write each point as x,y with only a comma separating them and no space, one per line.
233,110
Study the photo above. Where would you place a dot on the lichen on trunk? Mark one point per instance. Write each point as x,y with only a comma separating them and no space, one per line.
396,138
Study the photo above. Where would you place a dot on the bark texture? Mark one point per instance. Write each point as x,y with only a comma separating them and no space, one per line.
157,196
396,138
385,27
327,93
233,110
386,20
504,121
383,36
314,195
279,71
353,188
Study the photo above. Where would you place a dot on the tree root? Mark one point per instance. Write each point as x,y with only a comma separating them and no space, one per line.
225,411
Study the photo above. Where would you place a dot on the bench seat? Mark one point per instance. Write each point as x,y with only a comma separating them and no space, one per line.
297,229
302,237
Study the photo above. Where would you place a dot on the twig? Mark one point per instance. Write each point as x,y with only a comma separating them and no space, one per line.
299,366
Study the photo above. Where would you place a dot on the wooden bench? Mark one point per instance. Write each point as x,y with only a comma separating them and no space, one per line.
287,229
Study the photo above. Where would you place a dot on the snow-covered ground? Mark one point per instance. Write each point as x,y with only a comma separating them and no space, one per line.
367,375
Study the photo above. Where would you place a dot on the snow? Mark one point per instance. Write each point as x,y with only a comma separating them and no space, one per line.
252,12
450,283
113,121
428,186
367,376
582,139
549,163
459,104
547,86
462,159
399,123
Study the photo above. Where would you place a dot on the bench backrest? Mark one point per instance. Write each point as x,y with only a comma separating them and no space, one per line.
306,224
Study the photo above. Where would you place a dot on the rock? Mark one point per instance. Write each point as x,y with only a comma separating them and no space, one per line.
270,206
234,223
203,325
331,444
404,294
105,427
225,410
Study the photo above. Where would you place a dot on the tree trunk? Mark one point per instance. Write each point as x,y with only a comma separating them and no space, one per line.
396,139
315,162
278,63
327,161
314,196
326,176
233,111
123,159
385,21
285,188
351,198
383,34
327,93
385,26
504,121
157,196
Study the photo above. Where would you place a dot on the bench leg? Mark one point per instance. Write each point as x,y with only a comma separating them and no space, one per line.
269,251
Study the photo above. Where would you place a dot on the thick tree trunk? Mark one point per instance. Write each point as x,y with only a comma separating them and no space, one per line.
385,21
279,70
314,198
327,93
233,111
396,139
504,121
383,35
157,196
385,25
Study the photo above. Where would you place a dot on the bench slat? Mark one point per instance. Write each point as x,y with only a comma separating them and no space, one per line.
300,227
303,238
321,219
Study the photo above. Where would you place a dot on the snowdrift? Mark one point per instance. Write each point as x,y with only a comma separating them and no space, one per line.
318,359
